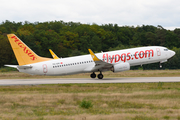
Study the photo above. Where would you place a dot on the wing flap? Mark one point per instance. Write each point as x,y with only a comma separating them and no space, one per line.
93,68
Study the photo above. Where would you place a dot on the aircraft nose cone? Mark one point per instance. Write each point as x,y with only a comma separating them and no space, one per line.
172,53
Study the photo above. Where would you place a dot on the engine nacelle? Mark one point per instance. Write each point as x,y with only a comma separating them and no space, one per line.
121,67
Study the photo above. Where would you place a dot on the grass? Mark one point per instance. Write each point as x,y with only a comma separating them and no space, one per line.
86,104
130,73
136,101
125,101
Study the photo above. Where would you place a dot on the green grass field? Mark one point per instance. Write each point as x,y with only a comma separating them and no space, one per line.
122,101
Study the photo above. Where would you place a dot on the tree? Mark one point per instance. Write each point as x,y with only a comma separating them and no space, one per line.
73,38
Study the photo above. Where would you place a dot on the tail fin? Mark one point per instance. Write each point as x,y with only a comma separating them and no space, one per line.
53,54
23,53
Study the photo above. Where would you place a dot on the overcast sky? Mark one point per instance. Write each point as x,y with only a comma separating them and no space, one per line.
122,12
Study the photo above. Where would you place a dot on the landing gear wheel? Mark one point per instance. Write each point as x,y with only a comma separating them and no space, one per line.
93,75
160,65
100,76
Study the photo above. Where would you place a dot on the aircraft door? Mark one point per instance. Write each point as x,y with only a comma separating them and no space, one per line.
158,52
45,70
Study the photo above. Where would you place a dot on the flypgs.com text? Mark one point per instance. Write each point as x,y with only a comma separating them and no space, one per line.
127,56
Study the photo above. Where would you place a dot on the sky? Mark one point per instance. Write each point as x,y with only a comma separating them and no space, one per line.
122,12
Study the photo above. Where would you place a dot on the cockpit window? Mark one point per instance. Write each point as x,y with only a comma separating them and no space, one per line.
165,49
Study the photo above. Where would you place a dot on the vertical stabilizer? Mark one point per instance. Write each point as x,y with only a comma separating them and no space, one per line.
23,53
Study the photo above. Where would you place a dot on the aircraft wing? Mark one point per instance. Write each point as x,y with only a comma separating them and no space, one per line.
53,54
100,65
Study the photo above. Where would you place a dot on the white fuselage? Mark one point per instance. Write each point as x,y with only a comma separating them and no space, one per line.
85,63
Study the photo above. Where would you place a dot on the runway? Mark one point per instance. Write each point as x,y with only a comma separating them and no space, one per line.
8,82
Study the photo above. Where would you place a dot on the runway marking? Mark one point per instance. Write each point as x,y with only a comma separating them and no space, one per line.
8,82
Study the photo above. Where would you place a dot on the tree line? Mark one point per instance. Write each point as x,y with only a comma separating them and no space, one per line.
74,38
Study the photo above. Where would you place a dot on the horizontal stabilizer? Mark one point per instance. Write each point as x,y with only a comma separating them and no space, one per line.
19,67
13,66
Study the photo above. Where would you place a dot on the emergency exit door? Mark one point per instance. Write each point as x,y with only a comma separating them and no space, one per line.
45,70
158,52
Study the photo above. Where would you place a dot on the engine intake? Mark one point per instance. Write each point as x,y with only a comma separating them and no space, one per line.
121,67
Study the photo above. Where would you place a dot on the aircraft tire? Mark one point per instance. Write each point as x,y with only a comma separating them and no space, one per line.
93,75
100,76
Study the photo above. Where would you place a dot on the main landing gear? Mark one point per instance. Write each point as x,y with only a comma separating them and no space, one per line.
93,75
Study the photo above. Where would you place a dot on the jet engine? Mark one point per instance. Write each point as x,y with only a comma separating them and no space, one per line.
121,67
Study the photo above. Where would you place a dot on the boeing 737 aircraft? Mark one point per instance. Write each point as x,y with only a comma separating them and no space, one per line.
116,61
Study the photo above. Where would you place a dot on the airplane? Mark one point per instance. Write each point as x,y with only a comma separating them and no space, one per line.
115,61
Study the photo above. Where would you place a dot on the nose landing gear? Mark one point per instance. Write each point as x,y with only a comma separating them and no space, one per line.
160,65
100,76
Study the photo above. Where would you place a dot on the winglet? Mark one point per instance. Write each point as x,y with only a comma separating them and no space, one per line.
94,57
53,54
